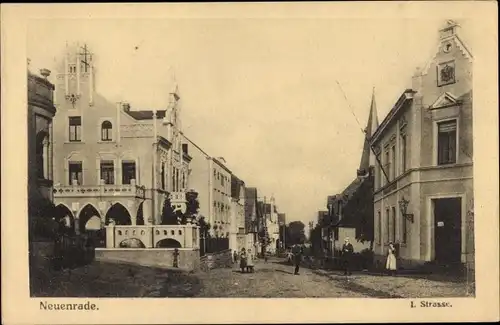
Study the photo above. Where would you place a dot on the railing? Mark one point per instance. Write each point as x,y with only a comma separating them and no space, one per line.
99,190
213,245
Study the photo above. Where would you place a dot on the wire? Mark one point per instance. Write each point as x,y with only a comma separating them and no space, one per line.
350,108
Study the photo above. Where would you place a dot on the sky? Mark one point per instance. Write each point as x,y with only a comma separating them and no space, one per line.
262,93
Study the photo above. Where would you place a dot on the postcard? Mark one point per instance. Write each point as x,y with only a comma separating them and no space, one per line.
273,162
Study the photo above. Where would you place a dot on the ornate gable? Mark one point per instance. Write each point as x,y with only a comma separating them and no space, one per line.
445,100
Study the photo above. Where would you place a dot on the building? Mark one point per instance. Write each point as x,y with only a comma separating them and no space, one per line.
115,165
350,213
251,217
423,187
211,178
237,236
41,112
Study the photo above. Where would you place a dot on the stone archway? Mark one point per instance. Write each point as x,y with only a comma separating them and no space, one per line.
119,214
63,214
88,213
140,215
168,243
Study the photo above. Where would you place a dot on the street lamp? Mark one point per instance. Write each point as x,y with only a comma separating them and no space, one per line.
403,206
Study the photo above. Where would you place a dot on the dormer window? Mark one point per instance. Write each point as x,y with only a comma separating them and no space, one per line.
106,131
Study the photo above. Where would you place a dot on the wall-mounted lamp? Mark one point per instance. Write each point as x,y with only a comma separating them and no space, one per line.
403,206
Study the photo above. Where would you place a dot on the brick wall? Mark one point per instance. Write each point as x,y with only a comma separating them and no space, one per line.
216,260
189,259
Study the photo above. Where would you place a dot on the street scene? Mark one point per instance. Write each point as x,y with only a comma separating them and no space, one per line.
217,158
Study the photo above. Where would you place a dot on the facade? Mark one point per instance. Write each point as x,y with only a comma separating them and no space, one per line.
425,145
251,217
212,180
237,236
115,165
41,112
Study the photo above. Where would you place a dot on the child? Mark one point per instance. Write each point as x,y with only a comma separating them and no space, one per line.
250,261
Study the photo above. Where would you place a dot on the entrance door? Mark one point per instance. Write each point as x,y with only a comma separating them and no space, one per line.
448,230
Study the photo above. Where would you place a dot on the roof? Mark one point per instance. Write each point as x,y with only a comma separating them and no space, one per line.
367,158
146,114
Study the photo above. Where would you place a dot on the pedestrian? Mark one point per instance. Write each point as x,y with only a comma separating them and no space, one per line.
390,264
243,260
235,256
298,259
347,251
265,256
250,261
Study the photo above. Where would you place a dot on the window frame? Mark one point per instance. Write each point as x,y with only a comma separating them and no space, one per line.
123,163
113,171
75,162
109,131
78,135
436,140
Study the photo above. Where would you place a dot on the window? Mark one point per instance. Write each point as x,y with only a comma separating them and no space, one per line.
162,176
72,68
176,179
404,230
387,225
403,153
75,172
379,227
393,162
387,164
447,142
128,171
173,179
393,225
41,152
75,128
184,185
108,171
222,180
106,131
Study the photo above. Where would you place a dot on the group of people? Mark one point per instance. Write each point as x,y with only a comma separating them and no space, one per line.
246,259
348,251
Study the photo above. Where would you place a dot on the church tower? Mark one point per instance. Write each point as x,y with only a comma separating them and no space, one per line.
367,156
76,77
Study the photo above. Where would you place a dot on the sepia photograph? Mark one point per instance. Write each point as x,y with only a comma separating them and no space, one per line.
226,157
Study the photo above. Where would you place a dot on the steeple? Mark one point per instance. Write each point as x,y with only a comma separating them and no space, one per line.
367,157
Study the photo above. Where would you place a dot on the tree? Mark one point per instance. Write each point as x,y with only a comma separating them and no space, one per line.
296,233
193,205
168,216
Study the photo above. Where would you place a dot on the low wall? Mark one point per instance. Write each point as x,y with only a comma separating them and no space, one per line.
188,259
216,260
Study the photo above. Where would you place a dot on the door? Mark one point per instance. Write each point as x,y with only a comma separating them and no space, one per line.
448,230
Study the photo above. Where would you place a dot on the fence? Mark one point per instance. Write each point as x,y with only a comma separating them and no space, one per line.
213,245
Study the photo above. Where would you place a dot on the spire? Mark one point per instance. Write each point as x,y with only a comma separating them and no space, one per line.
367,158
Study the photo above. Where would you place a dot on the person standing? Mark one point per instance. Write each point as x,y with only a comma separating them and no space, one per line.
235,256
347,251
250,261
390,264
298,259
243,260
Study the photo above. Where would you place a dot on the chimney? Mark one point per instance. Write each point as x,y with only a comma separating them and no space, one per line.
45,73
126,107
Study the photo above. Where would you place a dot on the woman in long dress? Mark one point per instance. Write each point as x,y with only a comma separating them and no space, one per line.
243,260
390,264
250,261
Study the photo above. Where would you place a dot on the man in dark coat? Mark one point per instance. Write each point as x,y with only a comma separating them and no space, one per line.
298,258
347,251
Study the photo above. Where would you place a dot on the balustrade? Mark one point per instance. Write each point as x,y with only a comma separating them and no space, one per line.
99,190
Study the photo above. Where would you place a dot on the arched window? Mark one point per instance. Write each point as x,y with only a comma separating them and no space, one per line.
106,131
